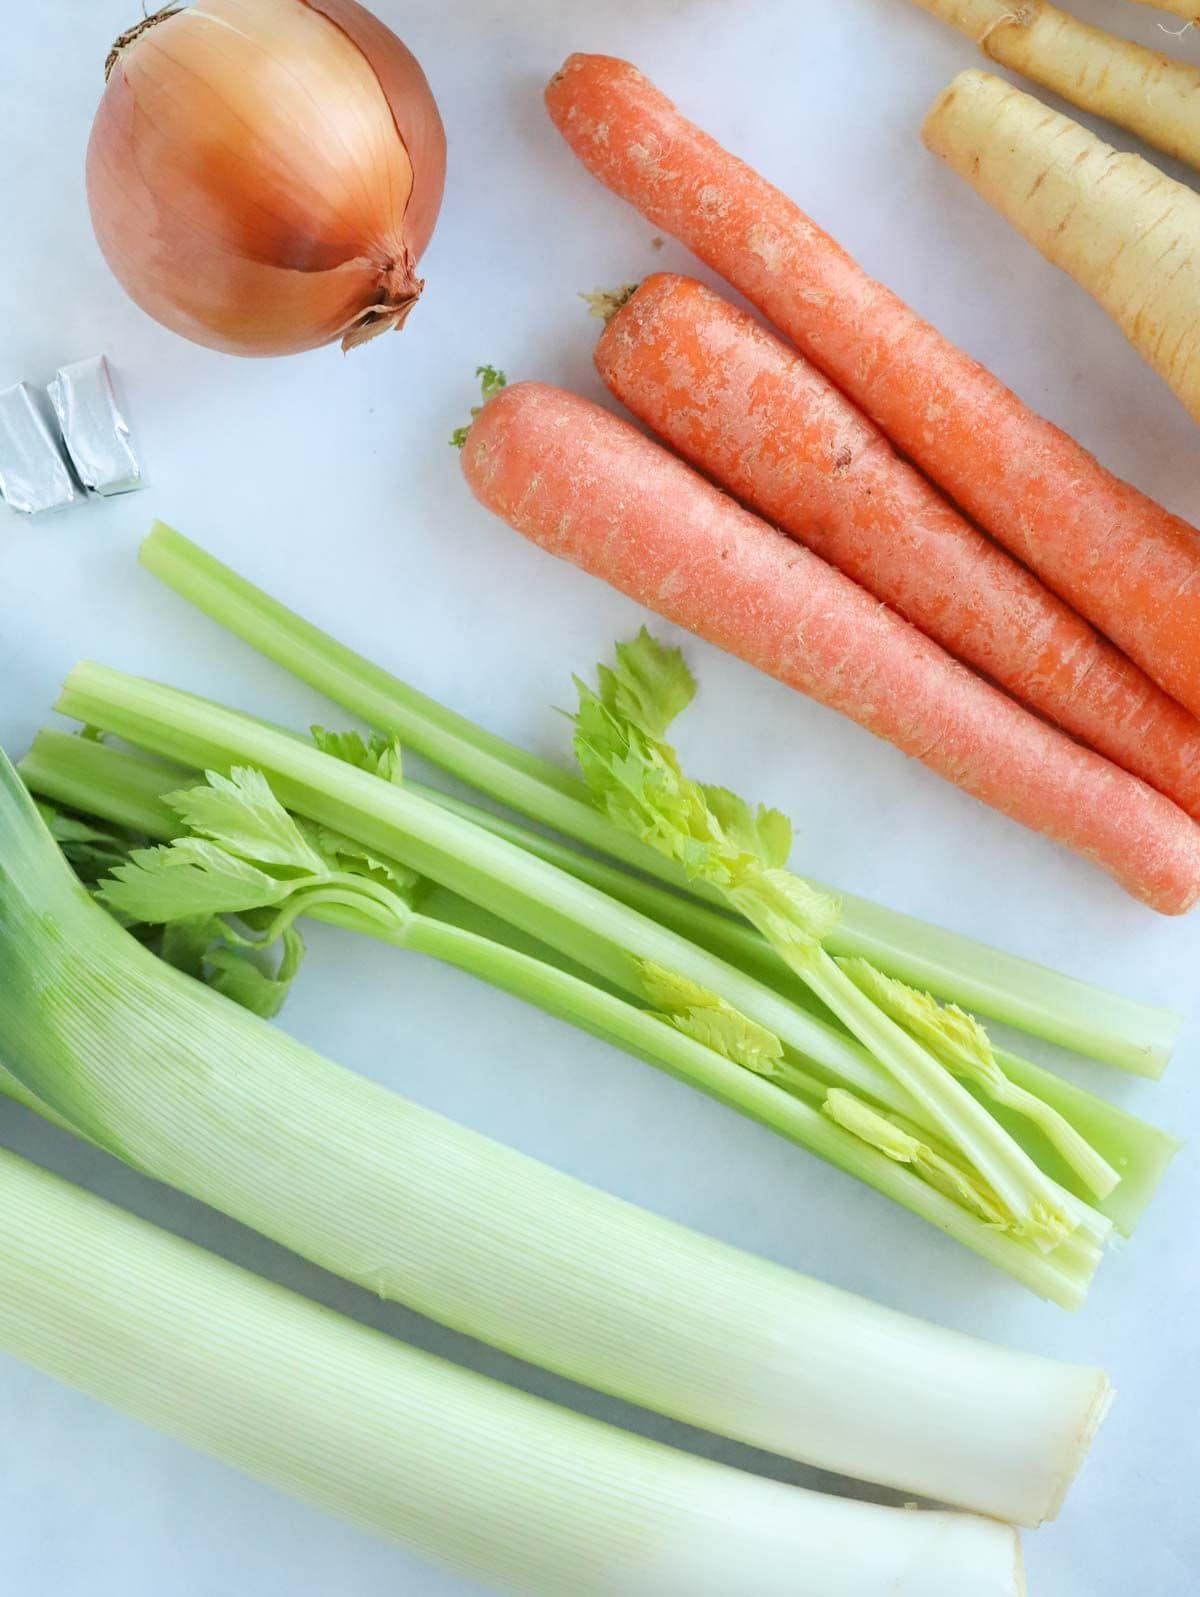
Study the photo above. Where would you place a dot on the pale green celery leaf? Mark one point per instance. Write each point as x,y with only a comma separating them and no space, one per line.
208,949
239,974
187,878
346,854
899,1145
959,1042
955,1037
241,814
789,912
638,782
648,686
712,833
707,1018
765,833
379,754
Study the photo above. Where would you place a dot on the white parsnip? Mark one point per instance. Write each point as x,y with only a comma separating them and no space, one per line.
1182,8
1122,229
1151,94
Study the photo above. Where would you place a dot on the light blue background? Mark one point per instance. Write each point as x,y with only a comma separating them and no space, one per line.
329,480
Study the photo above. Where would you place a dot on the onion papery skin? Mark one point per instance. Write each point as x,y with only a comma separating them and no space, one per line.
264,175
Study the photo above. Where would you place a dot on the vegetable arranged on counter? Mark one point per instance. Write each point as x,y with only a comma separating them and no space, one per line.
1151,94
1083,1139
495,1483
1044,1003
590,488
264,175
184,1085
850,1063
1045,1237
1121,560
1121,228
754,416
854,507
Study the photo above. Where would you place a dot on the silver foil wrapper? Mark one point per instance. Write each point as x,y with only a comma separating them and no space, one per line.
94,430
34,473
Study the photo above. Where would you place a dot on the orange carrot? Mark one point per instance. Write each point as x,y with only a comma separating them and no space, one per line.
1123,561
590,488
756,417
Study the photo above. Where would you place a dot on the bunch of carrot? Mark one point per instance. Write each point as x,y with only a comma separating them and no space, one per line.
997,672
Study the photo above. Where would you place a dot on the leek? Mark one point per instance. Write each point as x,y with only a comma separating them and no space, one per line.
170,1076
497,1484
613,943
1000,986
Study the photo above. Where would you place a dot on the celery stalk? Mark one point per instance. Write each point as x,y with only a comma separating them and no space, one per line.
611,941
495,1483
1003,987
122,788
182,1084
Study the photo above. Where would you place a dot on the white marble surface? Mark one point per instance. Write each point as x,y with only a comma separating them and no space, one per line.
329,480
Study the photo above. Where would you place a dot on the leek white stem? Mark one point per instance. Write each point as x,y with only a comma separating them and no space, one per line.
495,1483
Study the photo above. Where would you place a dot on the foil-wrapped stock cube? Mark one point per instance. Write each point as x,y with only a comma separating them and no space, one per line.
94,430
34,473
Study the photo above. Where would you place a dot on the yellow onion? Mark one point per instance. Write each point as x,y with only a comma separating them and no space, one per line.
264,175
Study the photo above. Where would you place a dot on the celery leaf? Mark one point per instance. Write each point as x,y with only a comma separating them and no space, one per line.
710,832
649,685
380,755
709,1019
350,855
241,813
953,1036
190,877
239,974
92,851
902,1147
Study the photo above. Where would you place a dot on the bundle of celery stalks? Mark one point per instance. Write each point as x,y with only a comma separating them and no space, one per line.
647,908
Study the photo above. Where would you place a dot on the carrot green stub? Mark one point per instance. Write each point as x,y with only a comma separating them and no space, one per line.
592,489
1121,560
758,418
495,1483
